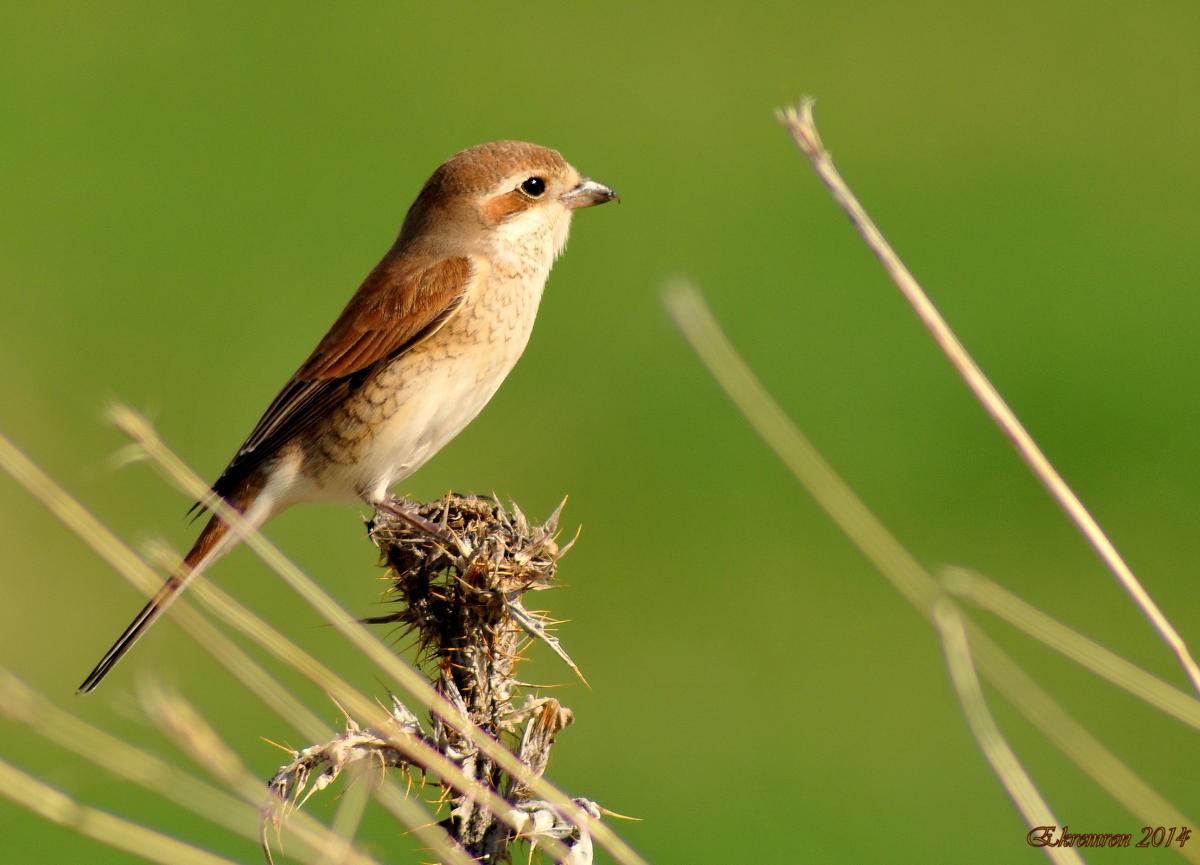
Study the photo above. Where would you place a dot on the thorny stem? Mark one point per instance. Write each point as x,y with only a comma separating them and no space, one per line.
459,568
147,438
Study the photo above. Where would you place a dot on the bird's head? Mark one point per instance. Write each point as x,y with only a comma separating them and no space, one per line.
505,197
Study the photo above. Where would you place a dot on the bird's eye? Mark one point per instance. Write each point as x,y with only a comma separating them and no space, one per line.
533,186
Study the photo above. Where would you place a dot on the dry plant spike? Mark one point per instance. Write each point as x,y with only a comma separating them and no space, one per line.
316,767
544,822
351,810
799,122
533,626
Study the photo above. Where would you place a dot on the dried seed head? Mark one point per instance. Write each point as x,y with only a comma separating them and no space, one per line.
457,585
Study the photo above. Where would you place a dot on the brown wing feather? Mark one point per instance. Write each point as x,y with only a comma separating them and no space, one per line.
386,314
399,304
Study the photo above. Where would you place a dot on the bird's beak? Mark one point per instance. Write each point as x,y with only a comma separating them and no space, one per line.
588,193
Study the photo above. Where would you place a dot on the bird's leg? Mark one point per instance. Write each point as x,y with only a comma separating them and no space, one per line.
402,510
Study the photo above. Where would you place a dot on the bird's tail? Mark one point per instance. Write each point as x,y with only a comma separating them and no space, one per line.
213,542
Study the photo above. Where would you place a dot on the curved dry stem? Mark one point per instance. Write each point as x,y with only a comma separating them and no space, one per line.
993,597
834,495
912,580
995,747
1106,770
799,122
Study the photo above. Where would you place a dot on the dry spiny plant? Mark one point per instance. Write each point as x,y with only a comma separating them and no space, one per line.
458,571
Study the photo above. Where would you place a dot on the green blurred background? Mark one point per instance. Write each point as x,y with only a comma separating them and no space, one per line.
191,192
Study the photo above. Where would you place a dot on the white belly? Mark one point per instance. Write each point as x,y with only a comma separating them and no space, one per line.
433,412
444,383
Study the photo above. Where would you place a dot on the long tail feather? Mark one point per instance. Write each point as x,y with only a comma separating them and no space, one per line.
208,547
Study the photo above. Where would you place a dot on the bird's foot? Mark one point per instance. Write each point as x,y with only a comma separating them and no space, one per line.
404,510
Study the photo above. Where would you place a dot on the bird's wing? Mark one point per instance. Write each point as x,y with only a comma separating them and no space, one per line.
398,305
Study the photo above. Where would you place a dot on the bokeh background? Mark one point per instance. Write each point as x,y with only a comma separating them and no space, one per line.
191,192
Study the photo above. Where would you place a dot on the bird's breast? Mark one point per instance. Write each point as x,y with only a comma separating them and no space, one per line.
408,409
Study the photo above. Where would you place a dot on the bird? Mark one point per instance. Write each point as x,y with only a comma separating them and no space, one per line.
414,356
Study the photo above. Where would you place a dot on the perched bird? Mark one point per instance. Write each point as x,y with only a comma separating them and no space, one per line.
416,354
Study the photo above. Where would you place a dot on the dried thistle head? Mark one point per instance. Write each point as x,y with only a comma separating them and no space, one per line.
463,578
458,570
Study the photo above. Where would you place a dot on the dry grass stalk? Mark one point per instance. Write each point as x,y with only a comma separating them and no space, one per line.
991,596
912,579
1004,761
57,807
799,122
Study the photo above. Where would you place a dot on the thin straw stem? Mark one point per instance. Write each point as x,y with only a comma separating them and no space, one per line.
799,122
57,807
995,747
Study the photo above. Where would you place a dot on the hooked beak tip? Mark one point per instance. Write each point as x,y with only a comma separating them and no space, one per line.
588,194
